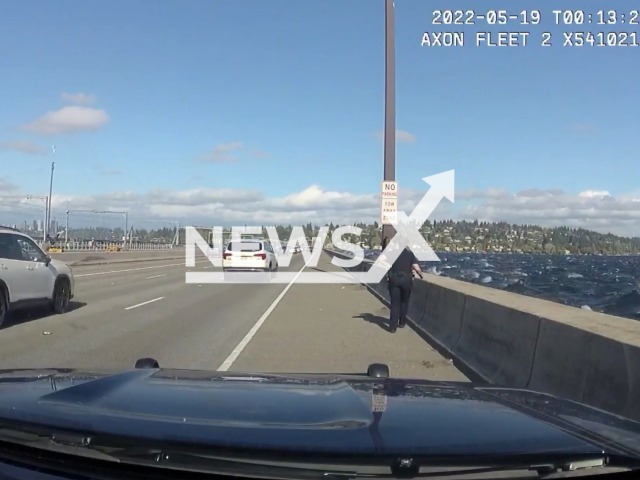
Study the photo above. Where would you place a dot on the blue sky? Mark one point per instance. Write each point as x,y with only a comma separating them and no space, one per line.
300,86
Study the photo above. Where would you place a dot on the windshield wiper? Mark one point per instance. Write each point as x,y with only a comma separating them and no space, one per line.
175,459
399,469
180,461
124,452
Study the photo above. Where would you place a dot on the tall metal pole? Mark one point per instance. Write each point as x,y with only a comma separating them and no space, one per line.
389,106
50,194
66,228
46,219
53,164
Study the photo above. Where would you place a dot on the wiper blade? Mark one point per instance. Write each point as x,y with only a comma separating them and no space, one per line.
400,469
127,451
163,461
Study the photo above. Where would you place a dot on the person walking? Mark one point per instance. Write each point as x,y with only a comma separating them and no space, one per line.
400,279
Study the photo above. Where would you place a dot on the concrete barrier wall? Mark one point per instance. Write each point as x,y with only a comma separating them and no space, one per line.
594,359
499,342
524,342
442,316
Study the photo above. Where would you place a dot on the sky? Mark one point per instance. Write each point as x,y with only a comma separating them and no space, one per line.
226,112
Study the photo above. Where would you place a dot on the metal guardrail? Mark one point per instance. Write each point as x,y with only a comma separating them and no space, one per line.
111,247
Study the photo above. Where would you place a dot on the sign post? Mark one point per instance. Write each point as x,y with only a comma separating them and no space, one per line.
389,207
388,230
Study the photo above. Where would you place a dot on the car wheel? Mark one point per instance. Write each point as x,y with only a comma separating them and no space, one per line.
3,307
61,297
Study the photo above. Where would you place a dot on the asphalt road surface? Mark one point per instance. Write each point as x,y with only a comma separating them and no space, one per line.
124,312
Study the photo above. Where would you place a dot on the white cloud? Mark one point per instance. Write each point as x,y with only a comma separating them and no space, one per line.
215,206
228,206
24,147
402,136
535,192
222,153
314,198
595,193
78,98
68,120
205,206
591,209
478,194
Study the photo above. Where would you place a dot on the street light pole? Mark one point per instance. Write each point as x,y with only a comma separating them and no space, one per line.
53,164
66,229
45,230
389,106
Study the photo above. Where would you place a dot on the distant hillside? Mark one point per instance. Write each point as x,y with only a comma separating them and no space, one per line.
528,238
477,236
451,236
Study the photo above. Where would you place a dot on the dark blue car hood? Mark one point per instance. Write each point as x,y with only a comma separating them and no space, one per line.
333,414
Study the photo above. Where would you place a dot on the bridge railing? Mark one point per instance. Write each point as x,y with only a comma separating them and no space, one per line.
111,246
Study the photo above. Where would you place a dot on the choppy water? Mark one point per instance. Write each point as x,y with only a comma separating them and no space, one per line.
608,284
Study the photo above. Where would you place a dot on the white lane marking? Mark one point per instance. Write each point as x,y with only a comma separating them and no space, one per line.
144,303
157,276
245,341
133,269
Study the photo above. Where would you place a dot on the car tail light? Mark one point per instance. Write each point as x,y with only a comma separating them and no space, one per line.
263,256
226,255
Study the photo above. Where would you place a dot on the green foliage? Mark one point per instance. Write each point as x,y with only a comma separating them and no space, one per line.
502,236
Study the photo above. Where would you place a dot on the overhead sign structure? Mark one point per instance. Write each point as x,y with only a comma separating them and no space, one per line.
389,207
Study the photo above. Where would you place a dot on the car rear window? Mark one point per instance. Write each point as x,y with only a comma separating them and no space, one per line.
244,246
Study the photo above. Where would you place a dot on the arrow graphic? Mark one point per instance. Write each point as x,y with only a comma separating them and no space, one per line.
408,228
442,185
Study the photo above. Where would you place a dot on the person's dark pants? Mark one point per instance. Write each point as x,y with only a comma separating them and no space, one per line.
400,291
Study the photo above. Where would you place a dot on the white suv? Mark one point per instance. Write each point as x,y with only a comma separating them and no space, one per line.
249,255
29,277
